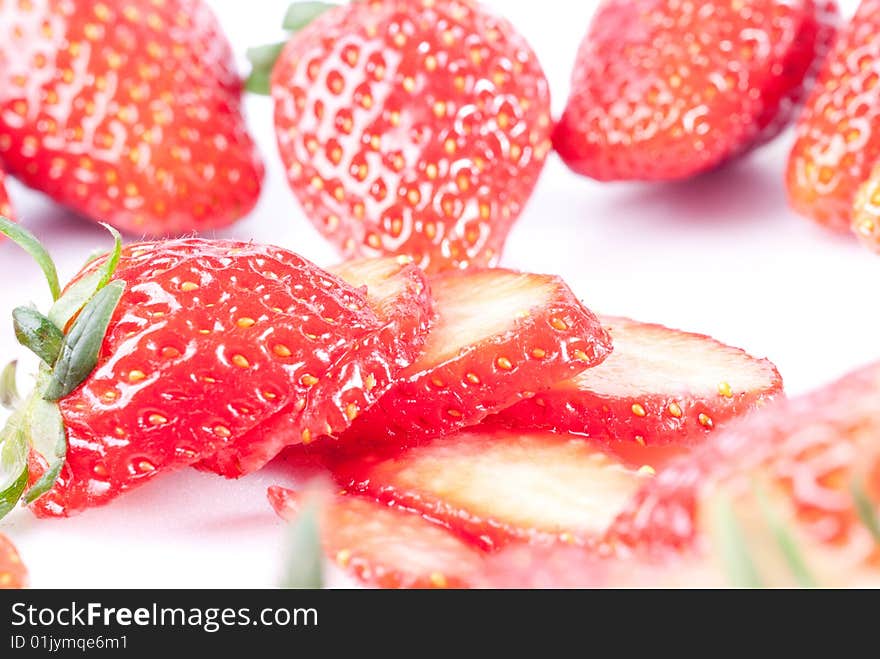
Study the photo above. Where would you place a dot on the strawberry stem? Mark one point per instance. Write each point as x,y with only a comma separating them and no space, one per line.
29,243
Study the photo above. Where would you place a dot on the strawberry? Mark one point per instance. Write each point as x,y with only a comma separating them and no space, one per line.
13,573
5,204
866,220
189,346
499,336
387,547
397,292
128,112
414,128
812,463
837,138
659,386
664,90
493,487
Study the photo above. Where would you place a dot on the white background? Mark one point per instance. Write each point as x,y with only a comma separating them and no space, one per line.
720,255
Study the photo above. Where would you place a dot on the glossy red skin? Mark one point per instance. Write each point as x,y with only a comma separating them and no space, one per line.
837,138
171,387
128,113
564,408
13,573
5,204
382,352
345,518
639,107
813,447
416,409
378,162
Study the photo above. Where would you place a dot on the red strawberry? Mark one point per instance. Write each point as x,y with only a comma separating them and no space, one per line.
659,386
13,573
416,128
205,341
837,138
387,547
816,458
665,90
493,487
5,205
126,112
398,293
500,335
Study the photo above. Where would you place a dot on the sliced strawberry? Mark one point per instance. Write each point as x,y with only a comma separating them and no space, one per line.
397,292
659,386
387,547
493,487
817,458
13,573
500,335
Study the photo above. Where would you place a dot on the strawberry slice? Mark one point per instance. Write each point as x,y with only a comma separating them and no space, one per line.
659,386
492,487
500,335
816,457
13,573
387,547
397,292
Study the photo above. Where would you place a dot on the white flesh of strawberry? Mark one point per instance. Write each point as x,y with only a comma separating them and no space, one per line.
651,359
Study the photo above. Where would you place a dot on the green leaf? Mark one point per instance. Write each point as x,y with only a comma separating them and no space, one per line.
304,567
94,256
259,82
264,57
112,261
29,243
37,333
734,549
300,14
44,431
80,292
786,542
79,351
865,509
74,298
13,463
9,397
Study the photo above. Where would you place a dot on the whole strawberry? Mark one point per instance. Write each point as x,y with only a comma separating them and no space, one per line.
126,112
664,89
162,355
412,127
838,135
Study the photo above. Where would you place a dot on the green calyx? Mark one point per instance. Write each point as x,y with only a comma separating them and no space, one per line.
68,341
263,58
304,564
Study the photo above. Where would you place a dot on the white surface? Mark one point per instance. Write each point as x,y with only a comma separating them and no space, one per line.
720,255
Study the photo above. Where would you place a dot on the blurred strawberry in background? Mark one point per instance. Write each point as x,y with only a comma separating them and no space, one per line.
664,89
126,112
13,573
5,204
410,127
838,140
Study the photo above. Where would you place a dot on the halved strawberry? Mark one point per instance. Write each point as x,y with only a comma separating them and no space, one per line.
814,462
499,336
387,547
493,487
397,292
659,386
13,573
